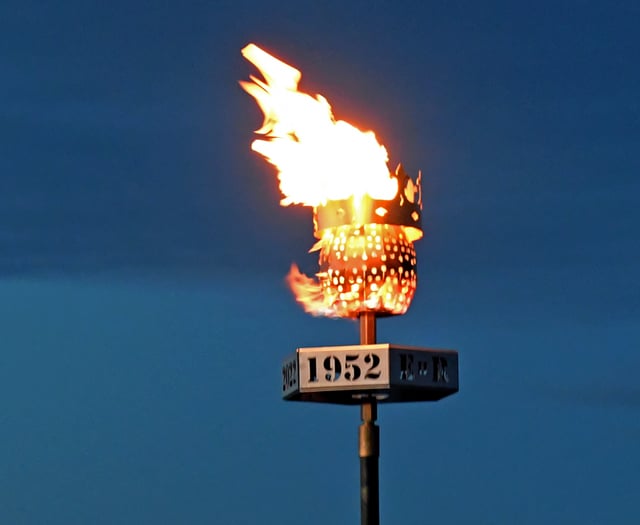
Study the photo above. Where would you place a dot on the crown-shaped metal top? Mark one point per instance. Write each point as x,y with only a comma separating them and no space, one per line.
404,210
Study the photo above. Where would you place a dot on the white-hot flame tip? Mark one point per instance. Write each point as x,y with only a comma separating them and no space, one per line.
318,158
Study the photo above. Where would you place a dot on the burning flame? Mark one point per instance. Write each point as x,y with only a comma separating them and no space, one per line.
368,260
318,158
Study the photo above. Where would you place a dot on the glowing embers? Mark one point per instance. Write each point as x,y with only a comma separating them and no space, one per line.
362,268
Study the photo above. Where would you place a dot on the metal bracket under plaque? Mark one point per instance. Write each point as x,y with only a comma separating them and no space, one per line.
390,373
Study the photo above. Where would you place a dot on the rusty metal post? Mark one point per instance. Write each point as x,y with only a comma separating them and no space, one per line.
369,439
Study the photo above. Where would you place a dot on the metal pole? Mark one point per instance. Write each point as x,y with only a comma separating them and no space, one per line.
369,439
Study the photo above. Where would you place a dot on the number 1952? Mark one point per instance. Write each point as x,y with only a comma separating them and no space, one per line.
351,367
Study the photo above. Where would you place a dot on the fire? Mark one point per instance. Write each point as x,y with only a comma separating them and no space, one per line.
366,217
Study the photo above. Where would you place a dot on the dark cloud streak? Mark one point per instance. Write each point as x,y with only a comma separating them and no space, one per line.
597,395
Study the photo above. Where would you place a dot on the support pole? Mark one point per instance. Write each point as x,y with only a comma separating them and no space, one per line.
369,439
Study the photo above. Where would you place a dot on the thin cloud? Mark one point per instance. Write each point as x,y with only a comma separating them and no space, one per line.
596,395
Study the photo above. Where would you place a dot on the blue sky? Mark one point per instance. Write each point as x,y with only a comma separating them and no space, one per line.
143,309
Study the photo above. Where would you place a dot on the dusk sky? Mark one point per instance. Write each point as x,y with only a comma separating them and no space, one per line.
143,308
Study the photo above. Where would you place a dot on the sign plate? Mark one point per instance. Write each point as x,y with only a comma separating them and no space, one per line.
390,373
343,367
290,375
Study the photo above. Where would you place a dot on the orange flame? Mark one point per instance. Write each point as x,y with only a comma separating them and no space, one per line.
318,158
321,160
